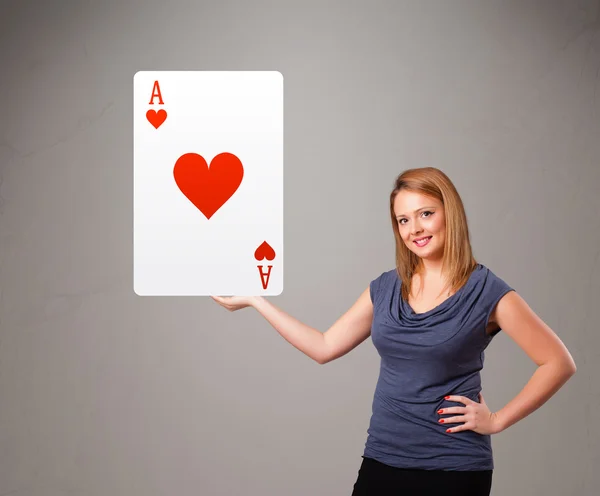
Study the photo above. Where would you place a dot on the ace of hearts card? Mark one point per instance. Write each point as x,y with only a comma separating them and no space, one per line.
208,183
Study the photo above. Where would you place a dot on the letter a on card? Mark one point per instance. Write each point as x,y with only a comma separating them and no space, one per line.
208,183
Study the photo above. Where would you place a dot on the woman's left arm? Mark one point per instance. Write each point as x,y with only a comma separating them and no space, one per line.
543,346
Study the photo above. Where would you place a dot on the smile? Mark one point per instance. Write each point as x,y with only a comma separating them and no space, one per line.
423,242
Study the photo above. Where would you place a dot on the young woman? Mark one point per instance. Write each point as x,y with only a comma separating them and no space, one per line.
431,318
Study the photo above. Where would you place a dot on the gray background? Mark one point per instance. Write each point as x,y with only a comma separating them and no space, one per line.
103,392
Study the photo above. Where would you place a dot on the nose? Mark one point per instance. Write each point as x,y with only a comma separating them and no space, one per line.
416,229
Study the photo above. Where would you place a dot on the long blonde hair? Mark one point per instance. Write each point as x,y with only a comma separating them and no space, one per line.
458,261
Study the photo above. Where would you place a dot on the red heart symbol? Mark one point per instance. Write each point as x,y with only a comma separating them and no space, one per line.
156,118
208,188
264,251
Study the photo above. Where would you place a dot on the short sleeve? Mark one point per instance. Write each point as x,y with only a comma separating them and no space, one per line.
375,288
495,289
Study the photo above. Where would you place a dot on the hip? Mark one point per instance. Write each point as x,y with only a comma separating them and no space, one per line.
378,479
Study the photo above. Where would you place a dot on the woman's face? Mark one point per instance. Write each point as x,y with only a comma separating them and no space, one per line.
419,216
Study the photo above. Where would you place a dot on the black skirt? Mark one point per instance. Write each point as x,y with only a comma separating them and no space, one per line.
378,479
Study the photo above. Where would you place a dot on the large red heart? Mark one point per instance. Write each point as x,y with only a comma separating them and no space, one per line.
156,118
208,188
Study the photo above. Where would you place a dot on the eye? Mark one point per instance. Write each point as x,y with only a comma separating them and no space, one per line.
424,212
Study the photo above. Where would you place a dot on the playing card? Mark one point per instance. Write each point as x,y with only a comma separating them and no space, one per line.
208,183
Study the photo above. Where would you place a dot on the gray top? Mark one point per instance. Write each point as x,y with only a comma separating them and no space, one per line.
425,357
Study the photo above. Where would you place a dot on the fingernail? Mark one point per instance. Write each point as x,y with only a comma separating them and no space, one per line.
441,421
446,397
440,411
448,430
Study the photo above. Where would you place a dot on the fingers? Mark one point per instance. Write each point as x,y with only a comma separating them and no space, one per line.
453,409
460,399
458,428
221,301
231,303
457,419
472,414
453,420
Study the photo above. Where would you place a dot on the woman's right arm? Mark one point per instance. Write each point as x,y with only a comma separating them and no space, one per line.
347,333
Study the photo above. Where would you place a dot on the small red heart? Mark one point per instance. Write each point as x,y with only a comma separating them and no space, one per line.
264,251
156,118
208,188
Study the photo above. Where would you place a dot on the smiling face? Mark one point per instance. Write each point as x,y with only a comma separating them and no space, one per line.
419,216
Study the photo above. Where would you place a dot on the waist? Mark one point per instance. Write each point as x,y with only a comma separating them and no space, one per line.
414,389
409,435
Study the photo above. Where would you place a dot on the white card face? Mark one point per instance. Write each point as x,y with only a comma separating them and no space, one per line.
208,183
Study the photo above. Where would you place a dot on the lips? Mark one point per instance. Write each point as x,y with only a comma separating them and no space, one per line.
425,241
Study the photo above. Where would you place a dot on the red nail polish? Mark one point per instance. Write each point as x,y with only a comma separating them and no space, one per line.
446,397
448,430
440,411
441,421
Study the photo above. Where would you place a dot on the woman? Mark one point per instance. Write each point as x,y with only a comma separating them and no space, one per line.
430,319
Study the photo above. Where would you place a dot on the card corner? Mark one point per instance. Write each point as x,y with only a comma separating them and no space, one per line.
137,74
138,291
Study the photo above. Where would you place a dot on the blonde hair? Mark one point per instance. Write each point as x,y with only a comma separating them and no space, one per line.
458,261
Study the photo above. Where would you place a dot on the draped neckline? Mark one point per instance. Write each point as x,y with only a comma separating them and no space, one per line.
408,309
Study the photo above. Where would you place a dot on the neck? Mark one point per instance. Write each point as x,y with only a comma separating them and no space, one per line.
430,268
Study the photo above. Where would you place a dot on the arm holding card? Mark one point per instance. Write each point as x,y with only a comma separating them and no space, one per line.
347,333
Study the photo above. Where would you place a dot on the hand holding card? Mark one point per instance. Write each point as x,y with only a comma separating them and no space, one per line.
233,303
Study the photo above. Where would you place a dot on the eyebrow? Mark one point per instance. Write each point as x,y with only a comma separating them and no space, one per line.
418,209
